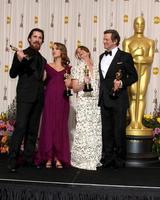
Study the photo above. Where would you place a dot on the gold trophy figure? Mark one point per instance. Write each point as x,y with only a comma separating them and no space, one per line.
27,57
115,92
142,50
67,75
87,84
139,140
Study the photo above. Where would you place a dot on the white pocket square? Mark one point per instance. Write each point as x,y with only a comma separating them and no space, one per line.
119,63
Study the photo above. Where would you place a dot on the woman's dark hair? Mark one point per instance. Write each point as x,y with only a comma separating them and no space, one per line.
38,30
64,56
114,35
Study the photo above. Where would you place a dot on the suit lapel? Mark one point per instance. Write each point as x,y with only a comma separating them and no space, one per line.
40,66
37,65
100,71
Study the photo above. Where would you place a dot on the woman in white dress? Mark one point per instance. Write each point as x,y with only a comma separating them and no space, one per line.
87,142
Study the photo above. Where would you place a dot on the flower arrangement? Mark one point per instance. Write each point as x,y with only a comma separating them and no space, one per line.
153,121
7,122
6,129
156,141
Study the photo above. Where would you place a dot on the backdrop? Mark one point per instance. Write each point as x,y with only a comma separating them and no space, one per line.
74,22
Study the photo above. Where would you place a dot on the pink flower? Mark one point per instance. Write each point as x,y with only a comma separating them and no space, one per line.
156,132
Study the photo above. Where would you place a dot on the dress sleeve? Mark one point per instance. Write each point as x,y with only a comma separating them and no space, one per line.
75,72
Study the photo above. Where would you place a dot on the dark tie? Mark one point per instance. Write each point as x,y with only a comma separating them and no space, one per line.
108,53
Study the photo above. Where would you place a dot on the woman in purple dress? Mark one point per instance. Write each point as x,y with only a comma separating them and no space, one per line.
53,145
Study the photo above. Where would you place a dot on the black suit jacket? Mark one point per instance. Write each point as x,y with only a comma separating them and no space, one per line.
124,62
30,72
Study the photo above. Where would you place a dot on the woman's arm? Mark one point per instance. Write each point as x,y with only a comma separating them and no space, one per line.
77,86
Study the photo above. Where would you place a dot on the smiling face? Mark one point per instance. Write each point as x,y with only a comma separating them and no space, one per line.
77,53
84,54
36,40
109,44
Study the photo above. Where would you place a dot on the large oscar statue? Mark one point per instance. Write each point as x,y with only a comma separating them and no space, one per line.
139,137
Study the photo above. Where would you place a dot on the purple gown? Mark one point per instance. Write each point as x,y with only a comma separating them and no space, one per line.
54,136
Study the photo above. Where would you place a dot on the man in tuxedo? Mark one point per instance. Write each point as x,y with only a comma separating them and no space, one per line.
117,72
28,65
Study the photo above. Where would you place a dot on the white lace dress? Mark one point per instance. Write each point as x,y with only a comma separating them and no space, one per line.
87,139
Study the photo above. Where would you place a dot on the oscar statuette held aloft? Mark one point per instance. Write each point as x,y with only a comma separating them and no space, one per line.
27,57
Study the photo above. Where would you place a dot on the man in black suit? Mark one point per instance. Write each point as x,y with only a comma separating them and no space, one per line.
29,66
117,72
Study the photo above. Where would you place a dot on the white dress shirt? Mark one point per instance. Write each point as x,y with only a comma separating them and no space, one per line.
106,61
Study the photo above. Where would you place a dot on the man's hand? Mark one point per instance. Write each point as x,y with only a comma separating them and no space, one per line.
20,55
117,84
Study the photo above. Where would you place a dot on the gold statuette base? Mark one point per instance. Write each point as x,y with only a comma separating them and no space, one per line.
139,132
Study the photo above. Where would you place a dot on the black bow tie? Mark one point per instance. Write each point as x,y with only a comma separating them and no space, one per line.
108,53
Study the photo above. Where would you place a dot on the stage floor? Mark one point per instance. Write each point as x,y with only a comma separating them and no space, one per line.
129,179
129,176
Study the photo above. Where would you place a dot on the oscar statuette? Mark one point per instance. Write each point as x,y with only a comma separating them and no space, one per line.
87,85
115,92
67,91
27,57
